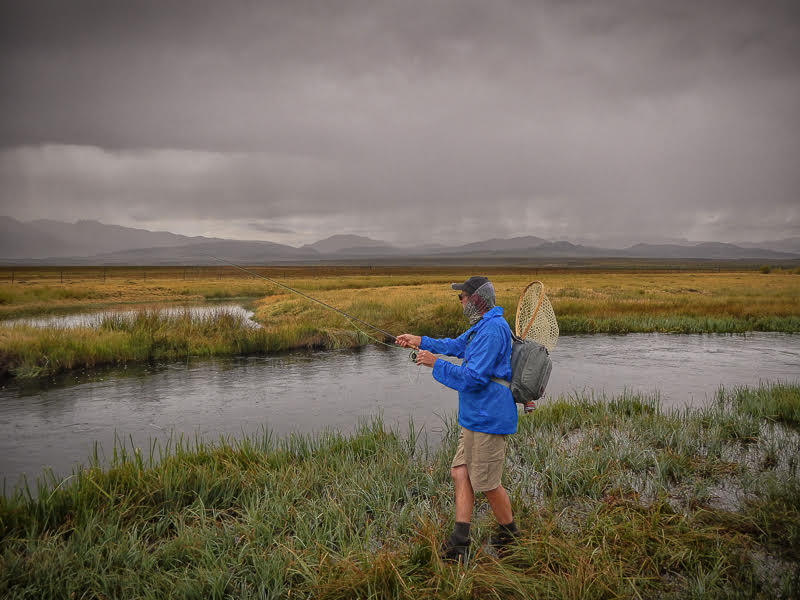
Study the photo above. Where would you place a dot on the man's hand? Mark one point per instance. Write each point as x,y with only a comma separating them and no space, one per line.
425,358
408,340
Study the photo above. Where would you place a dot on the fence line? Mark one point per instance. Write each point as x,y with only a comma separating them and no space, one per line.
68,275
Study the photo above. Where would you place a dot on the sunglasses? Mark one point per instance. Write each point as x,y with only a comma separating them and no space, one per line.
462,295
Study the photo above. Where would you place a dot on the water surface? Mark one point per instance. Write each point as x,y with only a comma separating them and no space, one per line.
96,318
55,422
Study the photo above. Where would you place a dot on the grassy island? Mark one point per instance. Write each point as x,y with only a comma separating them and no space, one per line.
616,498
394,299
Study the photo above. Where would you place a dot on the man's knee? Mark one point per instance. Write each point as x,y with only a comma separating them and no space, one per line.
495,492
459,473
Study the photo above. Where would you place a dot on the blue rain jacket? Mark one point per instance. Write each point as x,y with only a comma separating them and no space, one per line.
483,405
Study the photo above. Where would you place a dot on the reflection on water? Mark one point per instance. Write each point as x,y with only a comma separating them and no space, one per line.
95,319
55,422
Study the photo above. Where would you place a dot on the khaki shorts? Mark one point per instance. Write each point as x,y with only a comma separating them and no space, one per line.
484,455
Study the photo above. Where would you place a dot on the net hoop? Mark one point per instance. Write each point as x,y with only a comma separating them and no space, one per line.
535,319
535,310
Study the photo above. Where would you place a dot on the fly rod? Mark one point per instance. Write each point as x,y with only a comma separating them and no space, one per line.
291,289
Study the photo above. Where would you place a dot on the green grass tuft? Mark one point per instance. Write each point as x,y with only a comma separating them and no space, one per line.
616,498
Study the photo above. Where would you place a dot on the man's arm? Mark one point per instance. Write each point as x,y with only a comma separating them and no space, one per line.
449,346
476,375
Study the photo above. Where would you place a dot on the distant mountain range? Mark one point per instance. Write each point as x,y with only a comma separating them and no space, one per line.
347,243
54,239
92,242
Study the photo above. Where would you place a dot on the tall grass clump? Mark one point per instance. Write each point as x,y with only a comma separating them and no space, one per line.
572,324
774,402
615,498
152,335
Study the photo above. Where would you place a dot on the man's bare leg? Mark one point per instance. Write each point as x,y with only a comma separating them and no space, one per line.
465,496
500,503
507,532
456,548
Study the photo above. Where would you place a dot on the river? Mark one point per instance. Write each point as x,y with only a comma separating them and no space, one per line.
95,318
54,423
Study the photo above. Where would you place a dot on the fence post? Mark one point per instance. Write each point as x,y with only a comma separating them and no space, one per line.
62,276
12,277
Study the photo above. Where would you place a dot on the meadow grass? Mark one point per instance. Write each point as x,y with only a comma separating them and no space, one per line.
395,300
615,498
151,335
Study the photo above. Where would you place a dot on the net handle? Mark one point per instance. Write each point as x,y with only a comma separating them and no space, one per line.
535,311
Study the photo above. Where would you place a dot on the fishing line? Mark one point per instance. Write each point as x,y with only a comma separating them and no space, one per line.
353,320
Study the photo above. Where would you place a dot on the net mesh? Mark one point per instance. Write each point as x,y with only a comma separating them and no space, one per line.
536,319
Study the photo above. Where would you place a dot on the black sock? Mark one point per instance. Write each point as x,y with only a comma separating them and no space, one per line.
510,528
507,533
460,533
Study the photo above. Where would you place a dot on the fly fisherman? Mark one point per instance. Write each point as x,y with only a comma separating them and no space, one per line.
486,410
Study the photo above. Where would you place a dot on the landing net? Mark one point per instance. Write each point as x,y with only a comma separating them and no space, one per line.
535,317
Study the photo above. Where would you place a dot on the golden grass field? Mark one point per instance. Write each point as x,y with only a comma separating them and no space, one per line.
396,299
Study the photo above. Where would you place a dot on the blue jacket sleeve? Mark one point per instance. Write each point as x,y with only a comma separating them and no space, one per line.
448,346
475,373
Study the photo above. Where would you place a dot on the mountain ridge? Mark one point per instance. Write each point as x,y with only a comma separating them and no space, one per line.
48,241
339,242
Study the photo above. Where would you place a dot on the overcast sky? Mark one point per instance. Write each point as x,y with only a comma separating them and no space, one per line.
409,121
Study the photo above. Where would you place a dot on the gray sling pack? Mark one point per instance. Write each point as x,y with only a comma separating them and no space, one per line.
530,370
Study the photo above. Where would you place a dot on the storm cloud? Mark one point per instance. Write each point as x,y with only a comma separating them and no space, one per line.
407,121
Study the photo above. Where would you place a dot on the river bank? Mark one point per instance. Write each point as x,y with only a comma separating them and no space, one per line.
151,336
615,499
686,302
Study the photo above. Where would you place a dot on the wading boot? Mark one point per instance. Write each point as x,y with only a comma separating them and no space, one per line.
503,538
456,547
